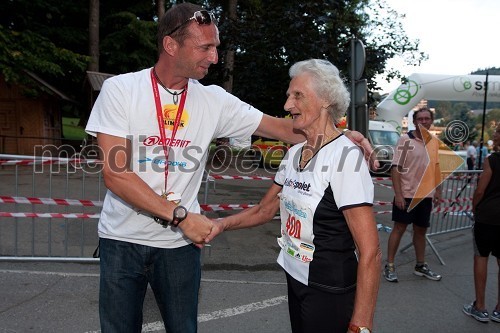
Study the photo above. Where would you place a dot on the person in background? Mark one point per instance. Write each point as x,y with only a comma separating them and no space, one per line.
471,155
481,153
329,241
486,233
416,178
154,128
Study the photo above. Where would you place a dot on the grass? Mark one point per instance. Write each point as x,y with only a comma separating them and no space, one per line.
71,130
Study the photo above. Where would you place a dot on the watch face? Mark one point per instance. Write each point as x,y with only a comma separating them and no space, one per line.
180,213
364,330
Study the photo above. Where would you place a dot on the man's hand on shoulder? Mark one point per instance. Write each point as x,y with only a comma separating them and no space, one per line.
362,142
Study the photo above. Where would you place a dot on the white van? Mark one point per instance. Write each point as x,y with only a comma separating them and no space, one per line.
383,137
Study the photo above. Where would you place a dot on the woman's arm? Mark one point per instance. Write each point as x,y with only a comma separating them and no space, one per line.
251,217
362,225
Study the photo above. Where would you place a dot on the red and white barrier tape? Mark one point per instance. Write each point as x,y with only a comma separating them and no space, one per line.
456,200
467,208
237,177
52,215
213,208
49,201
204,208
383,185
44,162
382,203
211,177
436,210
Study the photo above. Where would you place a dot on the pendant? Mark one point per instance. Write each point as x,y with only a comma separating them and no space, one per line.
172,197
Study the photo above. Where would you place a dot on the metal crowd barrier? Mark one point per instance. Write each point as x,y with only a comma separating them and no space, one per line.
34,226
454,213
39,221
33,223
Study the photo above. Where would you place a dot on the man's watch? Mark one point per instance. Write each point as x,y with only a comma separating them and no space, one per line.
180,214
359,329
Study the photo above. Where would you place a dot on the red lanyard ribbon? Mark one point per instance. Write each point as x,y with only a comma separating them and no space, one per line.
161,120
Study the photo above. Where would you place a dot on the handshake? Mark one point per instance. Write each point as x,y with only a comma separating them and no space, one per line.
200,229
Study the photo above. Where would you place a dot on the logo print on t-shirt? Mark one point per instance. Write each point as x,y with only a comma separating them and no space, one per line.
169,114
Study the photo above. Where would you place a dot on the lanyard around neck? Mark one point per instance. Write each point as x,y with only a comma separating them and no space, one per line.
161,121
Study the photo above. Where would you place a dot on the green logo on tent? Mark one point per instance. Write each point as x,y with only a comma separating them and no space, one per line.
406,92
461,84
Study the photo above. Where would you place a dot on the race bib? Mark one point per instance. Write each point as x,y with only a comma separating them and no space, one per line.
296,229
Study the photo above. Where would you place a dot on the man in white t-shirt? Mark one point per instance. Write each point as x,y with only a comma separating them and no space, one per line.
471,155
154,128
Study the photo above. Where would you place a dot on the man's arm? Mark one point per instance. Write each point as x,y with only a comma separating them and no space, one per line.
282,129
279,129
122,181
362,142
396,185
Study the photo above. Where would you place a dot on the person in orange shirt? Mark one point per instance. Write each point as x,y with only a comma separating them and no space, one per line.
416,179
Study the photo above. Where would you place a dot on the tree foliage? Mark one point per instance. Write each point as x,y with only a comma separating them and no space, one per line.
50,38
43,37
270,36
127,44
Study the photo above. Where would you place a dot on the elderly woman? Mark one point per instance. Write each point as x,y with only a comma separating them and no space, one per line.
329,241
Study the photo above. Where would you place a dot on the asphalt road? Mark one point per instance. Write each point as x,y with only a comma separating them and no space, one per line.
243,289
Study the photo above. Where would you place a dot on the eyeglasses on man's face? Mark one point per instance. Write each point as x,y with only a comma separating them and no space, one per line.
422,119
202,17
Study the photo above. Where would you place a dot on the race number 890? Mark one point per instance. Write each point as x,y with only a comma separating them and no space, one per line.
293,226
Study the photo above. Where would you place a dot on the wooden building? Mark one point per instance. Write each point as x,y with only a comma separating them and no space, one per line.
93,85
26,122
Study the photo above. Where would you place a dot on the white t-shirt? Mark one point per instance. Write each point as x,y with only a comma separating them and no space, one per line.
419,161
317,248
471,151
126,108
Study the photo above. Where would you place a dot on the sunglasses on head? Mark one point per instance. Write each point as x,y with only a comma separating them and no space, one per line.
202,17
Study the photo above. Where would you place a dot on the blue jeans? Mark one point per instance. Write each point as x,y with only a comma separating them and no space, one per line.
126,270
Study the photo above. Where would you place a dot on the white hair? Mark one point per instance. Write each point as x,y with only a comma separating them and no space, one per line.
327,82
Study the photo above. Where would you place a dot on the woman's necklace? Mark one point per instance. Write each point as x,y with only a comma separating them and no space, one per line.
175,94
309,151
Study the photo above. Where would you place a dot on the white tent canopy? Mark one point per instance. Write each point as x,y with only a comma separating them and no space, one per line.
470,88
